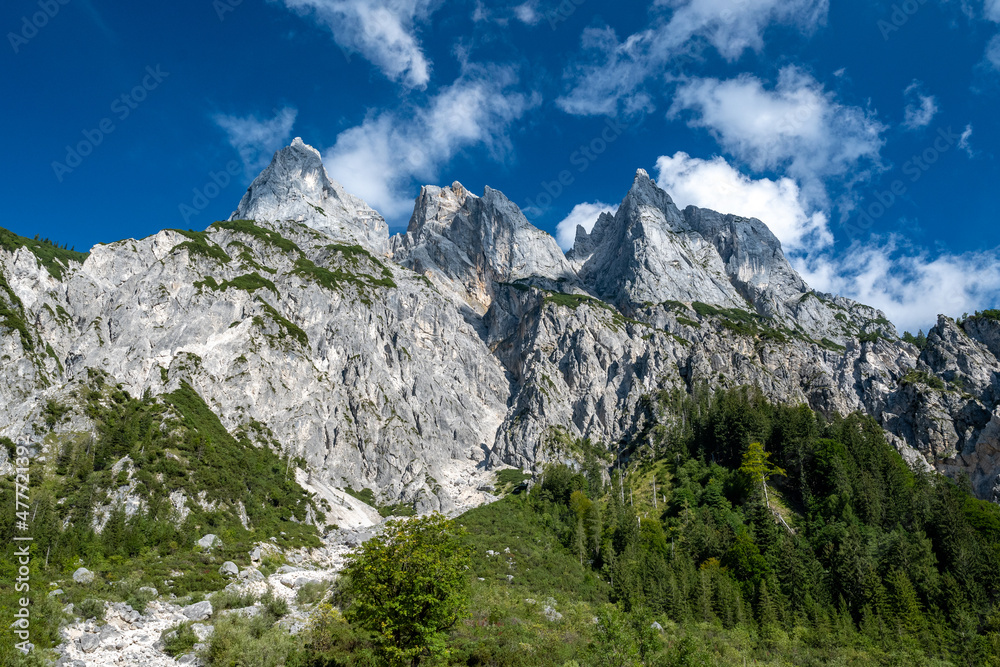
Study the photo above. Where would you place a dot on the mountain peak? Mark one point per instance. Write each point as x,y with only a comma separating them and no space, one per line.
295,186
470,243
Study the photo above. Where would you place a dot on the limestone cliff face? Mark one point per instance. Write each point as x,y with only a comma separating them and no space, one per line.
295,186
470,244
478,343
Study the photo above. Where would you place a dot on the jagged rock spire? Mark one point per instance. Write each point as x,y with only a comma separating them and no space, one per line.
295,186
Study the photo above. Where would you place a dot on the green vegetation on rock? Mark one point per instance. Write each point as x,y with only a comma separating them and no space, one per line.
54,258
248,283
250,228
148,448
337,279
289,328
924,378
12,313
200,244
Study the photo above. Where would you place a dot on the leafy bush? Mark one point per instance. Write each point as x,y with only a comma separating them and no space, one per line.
91,608
250,228
922,377
275,606
248,283
408,586
200,244
178,639
227,599
254,642
311,592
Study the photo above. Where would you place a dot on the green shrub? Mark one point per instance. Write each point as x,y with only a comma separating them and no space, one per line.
48,254
254,642
178,639
312,592
367,496
91,608
250,228
200,244
227,599
248,283
275,606
921,377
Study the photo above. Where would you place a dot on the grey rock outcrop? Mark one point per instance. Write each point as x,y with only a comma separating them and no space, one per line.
295,186
199,611
89,642
209,541
647,253
469,244
480,344
83,576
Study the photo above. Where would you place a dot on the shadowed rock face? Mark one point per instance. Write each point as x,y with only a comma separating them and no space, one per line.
479,338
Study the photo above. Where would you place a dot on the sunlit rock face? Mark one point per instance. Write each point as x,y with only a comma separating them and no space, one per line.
414,365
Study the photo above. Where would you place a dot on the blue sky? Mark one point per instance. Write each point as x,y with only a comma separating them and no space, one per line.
863,133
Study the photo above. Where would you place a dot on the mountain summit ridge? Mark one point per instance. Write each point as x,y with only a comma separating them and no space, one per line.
295,186
413,365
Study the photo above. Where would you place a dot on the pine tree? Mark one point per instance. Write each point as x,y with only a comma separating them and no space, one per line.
757,466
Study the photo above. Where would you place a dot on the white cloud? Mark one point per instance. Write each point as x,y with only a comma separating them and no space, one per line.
991,9
992,56
379,159
480,13
613,71
910,286
502,14
964,143
383,31
527,13
796,127
907,283
920,107
582,214
715,184
257,139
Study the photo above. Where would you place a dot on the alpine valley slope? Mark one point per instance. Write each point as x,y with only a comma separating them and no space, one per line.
414,365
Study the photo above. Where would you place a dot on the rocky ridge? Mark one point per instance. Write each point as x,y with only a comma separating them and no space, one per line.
413,365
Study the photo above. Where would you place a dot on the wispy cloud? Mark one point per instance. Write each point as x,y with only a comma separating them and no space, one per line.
920,107
910,285
796,127
502,14
255,138
965,143
584,215
991,10
383,31
612,73
527,13
992,55
379,159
